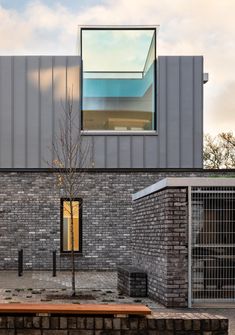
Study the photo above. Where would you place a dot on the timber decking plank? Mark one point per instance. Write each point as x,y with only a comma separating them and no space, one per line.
75,309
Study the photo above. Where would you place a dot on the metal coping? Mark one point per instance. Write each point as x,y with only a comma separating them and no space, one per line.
184,182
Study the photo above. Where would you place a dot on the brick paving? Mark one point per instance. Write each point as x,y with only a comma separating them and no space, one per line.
38,286
35,286
44,279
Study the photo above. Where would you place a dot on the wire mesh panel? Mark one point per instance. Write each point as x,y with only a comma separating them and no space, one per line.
212,244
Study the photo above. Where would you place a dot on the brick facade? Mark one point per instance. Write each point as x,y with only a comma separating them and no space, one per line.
150,234
30,219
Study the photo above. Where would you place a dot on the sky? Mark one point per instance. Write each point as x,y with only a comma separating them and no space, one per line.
187,27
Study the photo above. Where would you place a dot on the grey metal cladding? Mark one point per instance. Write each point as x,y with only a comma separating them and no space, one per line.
198,111
187,111
7,109
124,150
100,150
179,137
32,90
150,151
111,151
32,122
173,112
180,111
137,151
33,87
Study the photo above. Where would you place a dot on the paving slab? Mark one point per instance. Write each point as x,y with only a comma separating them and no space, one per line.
44,279
36,286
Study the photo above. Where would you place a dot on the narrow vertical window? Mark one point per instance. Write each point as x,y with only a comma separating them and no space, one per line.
66,225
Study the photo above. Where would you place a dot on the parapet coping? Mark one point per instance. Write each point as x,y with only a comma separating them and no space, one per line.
184,182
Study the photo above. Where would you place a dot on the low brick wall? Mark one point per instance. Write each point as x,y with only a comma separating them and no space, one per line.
132,281
159,323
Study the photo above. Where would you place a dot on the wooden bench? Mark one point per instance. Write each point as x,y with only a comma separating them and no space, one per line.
124,309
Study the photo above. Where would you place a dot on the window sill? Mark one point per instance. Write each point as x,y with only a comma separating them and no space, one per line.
119,133
68,253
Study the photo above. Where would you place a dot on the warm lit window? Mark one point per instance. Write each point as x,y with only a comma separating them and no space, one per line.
66,224
119,79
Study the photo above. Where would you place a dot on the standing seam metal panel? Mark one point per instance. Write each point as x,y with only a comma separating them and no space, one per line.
180,111
162,110
173,112
19,112
31,91
32,116
46,109
6,112
198,111
29,114
187,112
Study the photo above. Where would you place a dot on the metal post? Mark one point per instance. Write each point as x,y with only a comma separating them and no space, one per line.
189,247
20,262
54,263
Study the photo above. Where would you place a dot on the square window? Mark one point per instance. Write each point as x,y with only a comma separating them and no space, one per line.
119,79
66,224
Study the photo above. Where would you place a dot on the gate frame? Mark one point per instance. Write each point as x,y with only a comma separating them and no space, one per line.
219,183
189,247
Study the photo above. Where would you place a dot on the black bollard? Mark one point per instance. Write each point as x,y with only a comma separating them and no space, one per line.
54,263
20,262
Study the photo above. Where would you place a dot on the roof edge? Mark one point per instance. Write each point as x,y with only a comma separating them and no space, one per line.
184,182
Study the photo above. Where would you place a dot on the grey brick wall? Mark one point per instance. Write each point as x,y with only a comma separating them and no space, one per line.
30,217
159,244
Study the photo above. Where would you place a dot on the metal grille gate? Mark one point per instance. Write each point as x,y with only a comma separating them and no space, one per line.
212,244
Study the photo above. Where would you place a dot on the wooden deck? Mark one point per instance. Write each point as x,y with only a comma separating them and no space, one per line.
75,309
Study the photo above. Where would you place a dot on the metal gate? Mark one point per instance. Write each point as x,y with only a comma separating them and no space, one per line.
211,244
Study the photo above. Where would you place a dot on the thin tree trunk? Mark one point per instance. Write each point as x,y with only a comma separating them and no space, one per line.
72,251
70,155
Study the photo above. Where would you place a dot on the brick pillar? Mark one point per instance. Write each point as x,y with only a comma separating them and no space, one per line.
159,244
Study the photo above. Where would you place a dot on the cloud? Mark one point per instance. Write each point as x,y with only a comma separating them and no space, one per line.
38,30
224,108
200,27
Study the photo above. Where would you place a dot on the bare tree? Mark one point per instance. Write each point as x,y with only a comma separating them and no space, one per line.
71,156
219,151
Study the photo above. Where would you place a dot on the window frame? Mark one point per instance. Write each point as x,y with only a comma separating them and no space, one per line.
153,131
79,228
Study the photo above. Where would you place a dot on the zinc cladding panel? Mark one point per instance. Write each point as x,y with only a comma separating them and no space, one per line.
173,112
180,111
19,111
198,111
179,137
32,91
6,112
186,110
34,88
112,151
32,116
46,109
